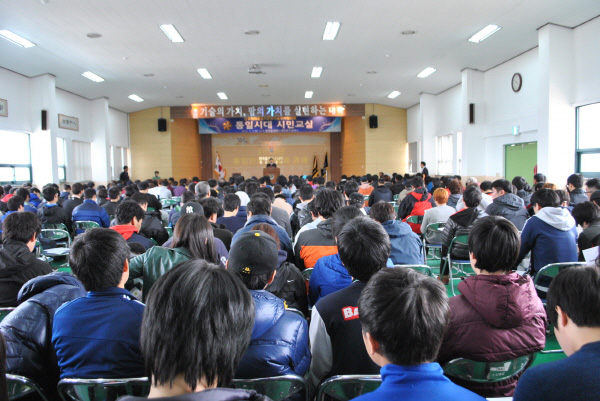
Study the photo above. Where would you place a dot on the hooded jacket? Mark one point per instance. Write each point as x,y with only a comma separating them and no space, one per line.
279,341
408,203
551,236
329,275
90,211
28,329
214,394
289,284
17,266
380,193
152,227
52,214
453,200
233,223
511,207
496,318
314,244
129,233
300,217
407,248
578,196
460,223
284,239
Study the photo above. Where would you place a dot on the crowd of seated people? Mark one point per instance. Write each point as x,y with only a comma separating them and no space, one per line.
254,239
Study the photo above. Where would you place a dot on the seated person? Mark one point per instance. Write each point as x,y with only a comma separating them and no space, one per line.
418,199
26,195
279,342
438,214
50,212
193,355
18,264
575,188
233,218
573,305
335,332
455,188
212,208
99,335
90,211
507,205
497,315
152,226
403,301
114,195
587,215
407,248
14,205
175,213
129,217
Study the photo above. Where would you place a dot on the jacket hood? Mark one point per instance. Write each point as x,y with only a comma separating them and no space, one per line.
14,256
242,212
268,309
281,257
510,201
42,283
503,301
467,216
260,218
420,194
396,228
556,217
49,210
302,205
325,228
126,230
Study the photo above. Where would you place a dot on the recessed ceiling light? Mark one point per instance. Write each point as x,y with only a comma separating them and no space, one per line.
263,86
93,35
135,98
308,94
204,73
426,72
351,94
394,95
222,95
371,72
316,72
179,97
16,39
252,32
148,75
331,30
171,33
484,33
408,32
92,77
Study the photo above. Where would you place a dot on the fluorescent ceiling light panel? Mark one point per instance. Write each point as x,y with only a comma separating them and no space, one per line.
135,98
172,33
308,94
316,72
204,73
222,95
93,77
484,33
16,39
394,95
426,72
331,30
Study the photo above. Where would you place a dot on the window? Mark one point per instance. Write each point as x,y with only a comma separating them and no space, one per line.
61,158
413,163
588,140
15,165
82,161
444,154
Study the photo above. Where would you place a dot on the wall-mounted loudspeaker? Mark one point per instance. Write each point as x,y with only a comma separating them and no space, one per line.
162,124
471,113
373,121
44,120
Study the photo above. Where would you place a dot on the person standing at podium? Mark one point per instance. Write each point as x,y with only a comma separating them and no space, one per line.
271,163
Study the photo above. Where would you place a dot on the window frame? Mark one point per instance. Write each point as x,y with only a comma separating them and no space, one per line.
580,152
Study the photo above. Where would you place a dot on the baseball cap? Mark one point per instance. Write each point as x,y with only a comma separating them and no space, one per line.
192,207
253,253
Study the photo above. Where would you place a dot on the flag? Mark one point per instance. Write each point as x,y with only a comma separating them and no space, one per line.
219,167
315,171
325,165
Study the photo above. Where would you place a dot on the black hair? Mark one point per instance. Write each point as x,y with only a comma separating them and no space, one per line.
538,186
342,217
472,196
102,193
23,193
401,300
455,187
259,205
350,188
97,258
281,180
77,188
423,163
577,291
356,200
364,247
89,193
330,184
306,192
563,195
140,198
114,193
382,211
164,183
15,203
576,180
593,184
21,226
545,197
502,184
327,202
231,202
416,181
127,210
494,241
187,196
211,206
267,191
194,233
142,186
539,177
49,192
135,248
190,314
251,188
585,212
521,183
485,185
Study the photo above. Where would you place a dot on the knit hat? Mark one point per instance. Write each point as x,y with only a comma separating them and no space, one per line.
192,207
253,253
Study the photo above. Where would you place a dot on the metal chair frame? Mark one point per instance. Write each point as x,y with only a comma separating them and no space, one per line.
19,386
5,312
56,234
423,269
487,372
67,391
85,225
426,245
541,273
269,386
358,384
461,239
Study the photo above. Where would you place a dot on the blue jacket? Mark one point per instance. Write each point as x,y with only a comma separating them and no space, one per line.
407,248
91,211
234,223
329,275
284,239
4,217
279,342
34,200
417,383
99,335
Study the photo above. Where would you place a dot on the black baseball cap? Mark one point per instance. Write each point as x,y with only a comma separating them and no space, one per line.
254,253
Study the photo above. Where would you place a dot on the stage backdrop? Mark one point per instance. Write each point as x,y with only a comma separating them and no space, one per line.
248,154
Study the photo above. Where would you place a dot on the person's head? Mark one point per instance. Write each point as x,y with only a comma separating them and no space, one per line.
575,181
440,196
271,160
585,213
356,199
99,259
401,300
259,205
267,191
563,195
212,209
595,198
253,258
156,173
327,202
573,303
485,186
545,197
212,183
550,185
268,229
15,204
23,193
472,196
23,227
455,187
382,211
305,192
130,213
520,183
187,196
251,188
416,182
494,244
89,193
364,247
194,233
114,193
50,194
342,217
423,164
539,177
471,181
141,199
164,183
350,188
190,314
125,168
591,186
501,187
231,202
102,193
202,190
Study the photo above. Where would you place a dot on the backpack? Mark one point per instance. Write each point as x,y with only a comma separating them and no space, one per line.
418,210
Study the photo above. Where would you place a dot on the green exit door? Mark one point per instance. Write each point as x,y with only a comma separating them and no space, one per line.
520,159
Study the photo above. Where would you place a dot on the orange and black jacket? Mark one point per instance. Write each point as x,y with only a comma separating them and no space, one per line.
314,244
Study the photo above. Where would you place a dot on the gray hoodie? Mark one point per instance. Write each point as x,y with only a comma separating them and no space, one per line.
557,217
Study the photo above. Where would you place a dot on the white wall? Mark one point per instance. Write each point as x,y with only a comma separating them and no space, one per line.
15,89
586,63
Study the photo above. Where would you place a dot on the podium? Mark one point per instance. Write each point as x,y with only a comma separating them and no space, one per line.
271,172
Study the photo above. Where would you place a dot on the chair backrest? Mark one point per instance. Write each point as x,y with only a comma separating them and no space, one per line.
459,240
296,311
415,219
306,273
438,226
347,387
487,372
56,234
85,225
545,275
20,386
56,226
276,388
4,312
424,269
102,389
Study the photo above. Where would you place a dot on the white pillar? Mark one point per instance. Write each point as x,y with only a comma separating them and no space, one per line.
429,126
473,140
99,127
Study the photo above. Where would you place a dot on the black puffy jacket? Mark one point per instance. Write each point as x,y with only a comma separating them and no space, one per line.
28,329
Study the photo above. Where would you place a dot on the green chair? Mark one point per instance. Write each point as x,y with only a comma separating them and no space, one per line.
83,226
423,269
57,235
55,226
459,264
4,312
545,275
102,389
415,219
436,228
276,388
487,372
306,273
396,198
176,199
347,387
170,231
20,386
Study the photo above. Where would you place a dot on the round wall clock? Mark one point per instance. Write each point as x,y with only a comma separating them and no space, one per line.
516,82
